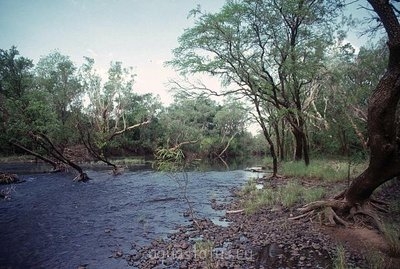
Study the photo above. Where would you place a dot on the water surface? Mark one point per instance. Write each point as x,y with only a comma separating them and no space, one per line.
52,222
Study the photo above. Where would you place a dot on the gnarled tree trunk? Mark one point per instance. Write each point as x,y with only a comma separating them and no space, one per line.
383,140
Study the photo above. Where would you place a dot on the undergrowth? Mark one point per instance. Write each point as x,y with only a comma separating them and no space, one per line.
289,192
326,170
339,262
391,234
286,195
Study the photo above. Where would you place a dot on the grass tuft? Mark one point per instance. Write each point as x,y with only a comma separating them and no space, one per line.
375,259
327,170
392,235
204,251
286,195
290,193
314,194
339,261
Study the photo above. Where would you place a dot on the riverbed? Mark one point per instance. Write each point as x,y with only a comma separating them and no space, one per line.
50,221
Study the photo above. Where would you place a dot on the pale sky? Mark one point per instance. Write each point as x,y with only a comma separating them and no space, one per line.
139,33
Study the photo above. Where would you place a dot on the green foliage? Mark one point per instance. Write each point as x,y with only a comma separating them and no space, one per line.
339,261
245,45
57,78
351,80
375,259
199,118
291,193
391,233
271,53
322,169
203,250
111,122
170,160
314,194
286,195
15,74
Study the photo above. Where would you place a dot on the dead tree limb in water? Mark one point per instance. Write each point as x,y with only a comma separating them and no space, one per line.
98,152
43,141
37,155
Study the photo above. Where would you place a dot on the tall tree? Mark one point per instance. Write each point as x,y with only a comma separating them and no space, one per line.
107,113
16,80
190,119
383,128
341,110
270,50
383,136
230,121
57,78
31,122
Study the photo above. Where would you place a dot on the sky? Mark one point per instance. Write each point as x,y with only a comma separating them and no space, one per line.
139,33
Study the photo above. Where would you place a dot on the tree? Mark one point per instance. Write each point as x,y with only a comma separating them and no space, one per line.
31,122
230,122
190,119
383,130
107,116
269,51
16,79
142,141
15,73
56,77
341,110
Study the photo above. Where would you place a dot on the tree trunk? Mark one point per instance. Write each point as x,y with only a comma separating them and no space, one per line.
272,151
283,138
384,161
297,123
279,151
306,152
298,145
301,151
268,138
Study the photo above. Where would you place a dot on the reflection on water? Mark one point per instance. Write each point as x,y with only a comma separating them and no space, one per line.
53,222
25,168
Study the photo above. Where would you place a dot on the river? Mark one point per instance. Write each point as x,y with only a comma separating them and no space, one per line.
51,221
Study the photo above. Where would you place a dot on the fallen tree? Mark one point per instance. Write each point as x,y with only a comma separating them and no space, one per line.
51,150
91,142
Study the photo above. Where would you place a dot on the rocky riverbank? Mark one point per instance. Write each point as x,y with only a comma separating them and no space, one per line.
265,239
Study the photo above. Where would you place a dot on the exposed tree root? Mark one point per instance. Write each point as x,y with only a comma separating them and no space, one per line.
340,212
334,218
379,208
272,177
305,215
234,211
377,201
369,210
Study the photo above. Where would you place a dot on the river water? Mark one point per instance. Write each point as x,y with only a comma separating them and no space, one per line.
51,221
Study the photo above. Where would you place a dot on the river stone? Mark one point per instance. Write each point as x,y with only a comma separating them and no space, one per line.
315,246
